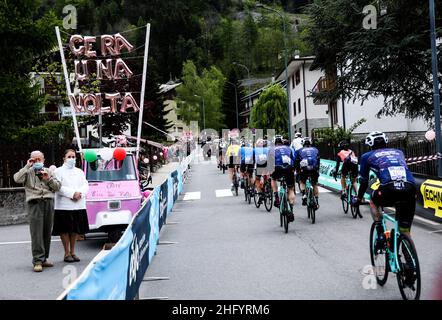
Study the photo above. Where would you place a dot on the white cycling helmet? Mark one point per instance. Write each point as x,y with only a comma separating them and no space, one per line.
278,139
376,137
298,135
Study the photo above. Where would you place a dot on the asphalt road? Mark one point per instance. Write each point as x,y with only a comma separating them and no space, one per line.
223,248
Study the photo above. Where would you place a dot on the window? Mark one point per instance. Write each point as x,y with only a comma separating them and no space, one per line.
294,108
111,170
299,105
178,117
298,76
293,81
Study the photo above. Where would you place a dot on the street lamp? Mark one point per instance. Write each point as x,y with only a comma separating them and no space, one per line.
248,76
260,5
204,111
236,103
436,96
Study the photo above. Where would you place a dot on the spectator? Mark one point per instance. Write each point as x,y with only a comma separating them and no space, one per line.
40,185
70,217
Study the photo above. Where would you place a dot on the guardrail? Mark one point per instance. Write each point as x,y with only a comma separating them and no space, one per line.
117,274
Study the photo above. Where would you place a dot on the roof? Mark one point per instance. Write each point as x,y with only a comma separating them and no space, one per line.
294,64
168,86
258,92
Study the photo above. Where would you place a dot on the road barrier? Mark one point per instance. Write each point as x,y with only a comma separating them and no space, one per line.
429,190
117,274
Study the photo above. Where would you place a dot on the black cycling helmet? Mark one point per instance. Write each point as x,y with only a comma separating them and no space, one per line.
286,142
279,140
306,142
344,145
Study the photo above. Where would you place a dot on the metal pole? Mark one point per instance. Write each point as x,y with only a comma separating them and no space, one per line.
204,114
68,88
236,103
436,96
100,128
143,86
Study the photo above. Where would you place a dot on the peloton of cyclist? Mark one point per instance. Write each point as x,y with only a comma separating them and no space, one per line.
307,164
233,156
349,166
396,184
283,158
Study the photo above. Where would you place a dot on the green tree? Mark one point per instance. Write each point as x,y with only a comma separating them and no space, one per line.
334,135
392,60
24,38
200,95
270,112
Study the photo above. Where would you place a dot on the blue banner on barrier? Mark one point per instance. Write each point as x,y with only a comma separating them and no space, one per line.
169,194
175,185
138,251
154,222
180,181
163,204
105,280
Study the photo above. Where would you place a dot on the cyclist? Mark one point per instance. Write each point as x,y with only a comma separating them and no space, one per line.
297,141
307,164
221,150
233,155
349,166
247,163
397,185
284,159
261,154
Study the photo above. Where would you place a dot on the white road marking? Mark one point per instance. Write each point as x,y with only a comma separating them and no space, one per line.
192,196
223,193
427,221
323,190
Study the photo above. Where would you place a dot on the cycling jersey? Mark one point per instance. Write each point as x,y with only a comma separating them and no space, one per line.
233,150
349,163
261,154
296,144
308,158
247,155
388,164
283,156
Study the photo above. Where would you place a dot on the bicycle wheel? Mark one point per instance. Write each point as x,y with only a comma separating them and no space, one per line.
249,197
409,277
345,203
246,190
256,196
285,210
379,260
268,194
313,206
354,210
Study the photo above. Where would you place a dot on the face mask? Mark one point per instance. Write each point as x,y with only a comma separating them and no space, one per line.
38,165
70,163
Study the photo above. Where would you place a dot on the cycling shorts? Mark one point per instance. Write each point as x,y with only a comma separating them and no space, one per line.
404,201
247,168
286,172
304,174
350,167
234,161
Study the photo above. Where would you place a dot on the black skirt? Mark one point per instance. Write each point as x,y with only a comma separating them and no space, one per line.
70,221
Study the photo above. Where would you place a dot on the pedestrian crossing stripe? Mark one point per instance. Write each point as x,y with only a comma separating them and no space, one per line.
323,190
223,193
192,196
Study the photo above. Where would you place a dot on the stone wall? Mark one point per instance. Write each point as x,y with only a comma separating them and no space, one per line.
12,206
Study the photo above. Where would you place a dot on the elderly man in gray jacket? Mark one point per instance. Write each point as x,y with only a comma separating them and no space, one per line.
40,186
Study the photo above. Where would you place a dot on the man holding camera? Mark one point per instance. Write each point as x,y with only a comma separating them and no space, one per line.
40,186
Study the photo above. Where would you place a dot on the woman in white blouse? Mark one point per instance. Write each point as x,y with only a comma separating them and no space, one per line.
70,217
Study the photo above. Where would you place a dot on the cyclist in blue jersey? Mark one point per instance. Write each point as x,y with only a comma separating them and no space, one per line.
261,154
247,164
307,164
283,158
396,184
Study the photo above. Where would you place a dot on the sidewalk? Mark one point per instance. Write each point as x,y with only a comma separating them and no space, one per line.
162,173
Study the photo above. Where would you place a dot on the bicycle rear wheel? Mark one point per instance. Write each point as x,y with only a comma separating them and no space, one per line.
256,196
268,193
311,205
249,197
409,277
354,210
379,260
345,203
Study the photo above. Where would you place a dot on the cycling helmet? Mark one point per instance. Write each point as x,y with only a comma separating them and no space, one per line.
376,139
286,142
298,135
259,143
278,139
343,144
306,141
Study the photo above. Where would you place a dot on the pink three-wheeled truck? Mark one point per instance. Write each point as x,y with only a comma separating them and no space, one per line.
114,194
